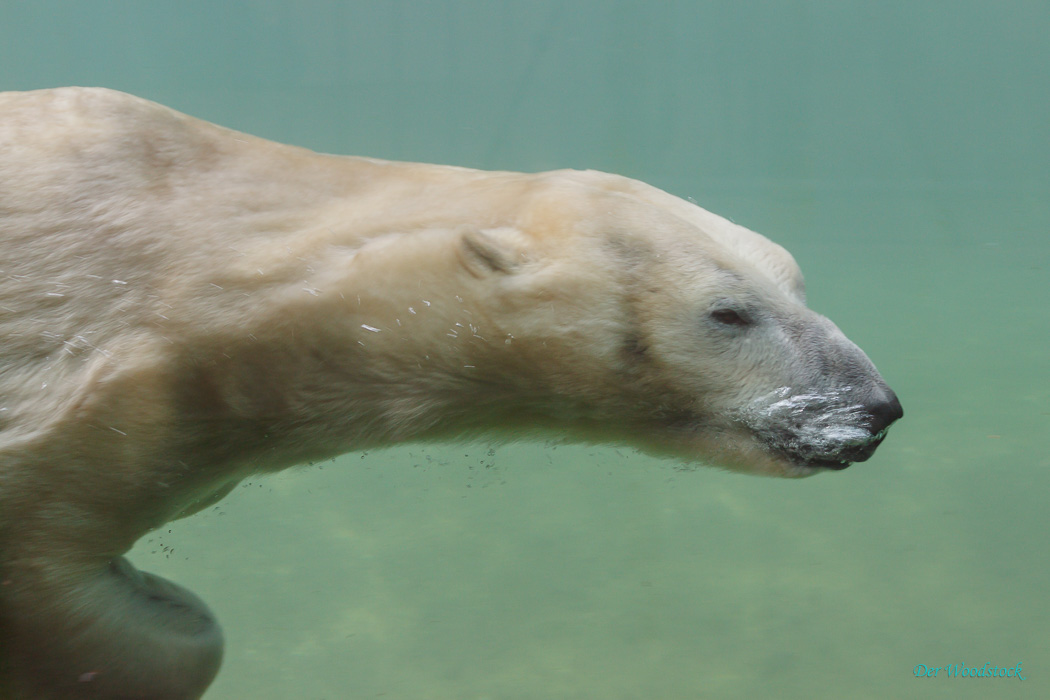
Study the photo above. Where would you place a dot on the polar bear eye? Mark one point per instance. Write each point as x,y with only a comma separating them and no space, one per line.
730,317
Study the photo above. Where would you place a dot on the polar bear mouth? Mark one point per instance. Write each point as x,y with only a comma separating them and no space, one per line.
838,460
825,430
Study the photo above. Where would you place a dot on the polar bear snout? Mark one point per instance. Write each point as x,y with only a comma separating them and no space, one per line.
827,429
842,415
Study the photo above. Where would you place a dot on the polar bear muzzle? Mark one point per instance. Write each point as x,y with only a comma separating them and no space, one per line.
829,430
837,413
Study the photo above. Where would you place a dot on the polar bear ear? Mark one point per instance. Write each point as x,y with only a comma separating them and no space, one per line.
492,250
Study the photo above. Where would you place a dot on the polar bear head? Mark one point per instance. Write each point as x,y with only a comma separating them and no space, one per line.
641,318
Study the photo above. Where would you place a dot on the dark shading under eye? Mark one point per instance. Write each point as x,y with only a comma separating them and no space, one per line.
730,317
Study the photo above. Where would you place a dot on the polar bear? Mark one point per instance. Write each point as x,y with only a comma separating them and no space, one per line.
182,306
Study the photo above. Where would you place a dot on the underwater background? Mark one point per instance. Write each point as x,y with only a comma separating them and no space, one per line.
899,149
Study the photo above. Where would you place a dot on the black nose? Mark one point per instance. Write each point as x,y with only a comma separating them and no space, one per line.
884,413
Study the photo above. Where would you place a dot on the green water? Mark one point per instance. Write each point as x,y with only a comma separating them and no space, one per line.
901,151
